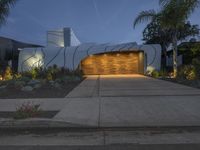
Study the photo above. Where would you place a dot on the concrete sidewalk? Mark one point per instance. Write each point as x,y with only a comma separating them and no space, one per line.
132,112
131,101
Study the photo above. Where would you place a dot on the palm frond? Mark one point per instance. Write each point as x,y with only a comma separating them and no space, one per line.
164,2
144,16
185,7
190,6
5,6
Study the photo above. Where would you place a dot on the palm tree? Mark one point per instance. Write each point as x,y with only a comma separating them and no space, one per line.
173,15
5,6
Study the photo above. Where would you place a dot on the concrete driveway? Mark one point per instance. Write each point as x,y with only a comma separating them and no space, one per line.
131,101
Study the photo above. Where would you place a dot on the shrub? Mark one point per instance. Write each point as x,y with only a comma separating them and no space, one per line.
17,76
41,73
27,110
33,73
196,63
49,76
148,73
8,74
155,74
51,73
187,72
163,73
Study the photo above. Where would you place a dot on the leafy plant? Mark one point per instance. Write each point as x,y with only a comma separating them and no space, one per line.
33,73
5,6
187,72
163,73
155,74
17,76
196,63
49,76
53,73
27,110
8,74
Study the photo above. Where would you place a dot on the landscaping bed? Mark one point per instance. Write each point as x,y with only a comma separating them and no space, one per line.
51,82
42,114
191,83
45,91
188,75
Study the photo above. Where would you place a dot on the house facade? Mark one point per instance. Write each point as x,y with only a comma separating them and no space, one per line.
65,50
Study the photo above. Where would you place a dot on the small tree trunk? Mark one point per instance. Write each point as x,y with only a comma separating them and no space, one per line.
175,55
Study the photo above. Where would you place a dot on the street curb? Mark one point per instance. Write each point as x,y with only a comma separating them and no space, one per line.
35,123
38,123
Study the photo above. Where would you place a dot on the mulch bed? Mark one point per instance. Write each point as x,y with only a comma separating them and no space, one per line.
42,114
46,91
191,83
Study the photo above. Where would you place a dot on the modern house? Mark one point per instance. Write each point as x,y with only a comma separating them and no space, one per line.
9,52
65,50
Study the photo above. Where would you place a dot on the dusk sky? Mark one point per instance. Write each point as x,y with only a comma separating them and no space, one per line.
99,21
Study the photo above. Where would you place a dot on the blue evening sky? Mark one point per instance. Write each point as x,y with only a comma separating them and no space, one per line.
99,21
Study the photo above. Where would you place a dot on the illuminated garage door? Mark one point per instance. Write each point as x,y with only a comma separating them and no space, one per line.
113,63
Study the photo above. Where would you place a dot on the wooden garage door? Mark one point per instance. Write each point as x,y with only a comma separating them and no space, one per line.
111,63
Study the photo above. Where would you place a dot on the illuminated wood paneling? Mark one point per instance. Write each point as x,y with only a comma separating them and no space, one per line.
111,63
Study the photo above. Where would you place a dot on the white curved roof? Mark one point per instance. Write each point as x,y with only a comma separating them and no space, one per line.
70,57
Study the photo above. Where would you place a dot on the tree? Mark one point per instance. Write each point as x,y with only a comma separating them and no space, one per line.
172,16
5,6
190,51
154,33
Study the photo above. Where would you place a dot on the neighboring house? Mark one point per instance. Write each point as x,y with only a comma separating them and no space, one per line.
186,52
170,59
9,52
65,50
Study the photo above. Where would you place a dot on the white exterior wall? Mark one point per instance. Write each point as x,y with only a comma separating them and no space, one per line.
70,57
62,38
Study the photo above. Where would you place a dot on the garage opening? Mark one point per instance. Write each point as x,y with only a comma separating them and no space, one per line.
114,63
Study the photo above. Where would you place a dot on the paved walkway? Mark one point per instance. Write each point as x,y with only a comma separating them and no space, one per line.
131,100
